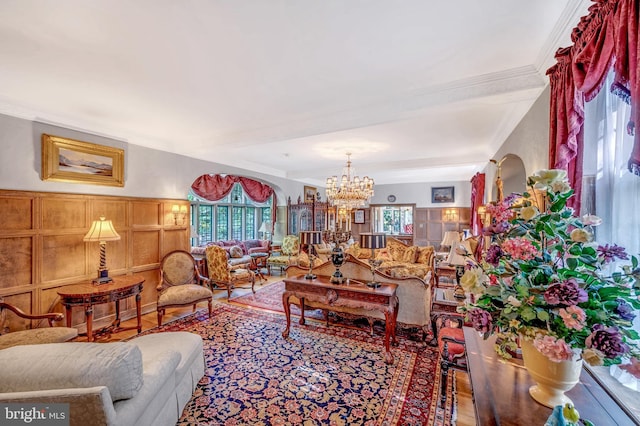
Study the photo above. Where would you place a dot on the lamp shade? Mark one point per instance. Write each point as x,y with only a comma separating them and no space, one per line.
456,259
101,230
310,237
450,238
263,227
373,241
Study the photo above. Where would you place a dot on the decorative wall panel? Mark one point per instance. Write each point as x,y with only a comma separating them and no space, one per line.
42,247
15,261
17,213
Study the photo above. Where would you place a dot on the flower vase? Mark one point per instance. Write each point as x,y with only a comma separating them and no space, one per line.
553,378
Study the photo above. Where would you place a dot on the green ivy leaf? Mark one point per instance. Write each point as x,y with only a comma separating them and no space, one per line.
543,315
528,313
572,263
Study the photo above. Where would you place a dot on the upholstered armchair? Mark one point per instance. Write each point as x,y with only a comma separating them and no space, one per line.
288,253
224,276
181,284
32,336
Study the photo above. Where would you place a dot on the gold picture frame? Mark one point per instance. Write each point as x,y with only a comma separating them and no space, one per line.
69,160
309,194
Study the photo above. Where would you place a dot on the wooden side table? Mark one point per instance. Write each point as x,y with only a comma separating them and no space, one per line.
335,296
501,391
88,294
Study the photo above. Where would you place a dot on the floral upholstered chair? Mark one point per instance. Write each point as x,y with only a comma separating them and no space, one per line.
181,284
222,275
34,335
288,255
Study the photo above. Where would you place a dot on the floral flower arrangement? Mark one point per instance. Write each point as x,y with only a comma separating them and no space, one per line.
544,278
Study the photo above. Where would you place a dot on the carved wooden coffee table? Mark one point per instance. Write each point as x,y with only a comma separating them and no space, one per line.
335,297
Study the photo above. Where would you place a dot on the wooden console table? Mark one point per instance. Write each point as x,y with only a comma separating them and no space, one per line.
501,391
335,296
88,294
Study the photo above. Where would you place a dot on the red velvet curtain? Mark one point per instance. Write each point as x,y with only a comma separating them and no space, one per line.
606,37
477,199
216,187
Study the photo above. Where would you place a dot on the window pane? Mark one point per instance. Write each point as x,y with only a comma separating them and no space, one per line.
250,223
204,223
222,223
236,223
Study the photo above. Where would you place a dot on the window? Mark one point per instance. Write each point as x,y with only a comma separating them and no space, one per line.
235,216
393,220
611,192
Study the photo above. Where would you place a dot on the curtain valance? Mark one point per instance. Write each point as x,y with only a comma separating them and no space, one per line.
607,37
216,187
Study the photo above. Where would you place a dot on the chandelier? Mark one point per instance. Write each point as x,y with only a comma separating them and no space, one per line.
350,192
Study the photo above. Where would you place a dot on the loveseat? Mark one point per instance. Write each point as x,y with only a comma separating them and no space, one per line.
238,252
145,381
400,260
414,294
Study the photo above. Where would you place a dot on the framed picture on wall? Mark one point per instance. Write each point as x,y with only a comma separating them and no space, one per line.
309,194
358,216
68,160
442,194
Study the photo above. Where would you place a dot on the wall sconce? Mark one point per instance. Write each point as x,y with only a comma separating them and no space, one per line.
485,217
451,215
179,212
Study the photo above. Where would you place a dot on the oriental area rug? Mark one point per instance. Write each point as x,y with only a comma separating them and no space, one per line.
319,375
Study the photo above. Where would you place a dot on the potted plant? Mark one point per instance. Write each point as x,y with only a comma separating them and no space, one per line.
545,284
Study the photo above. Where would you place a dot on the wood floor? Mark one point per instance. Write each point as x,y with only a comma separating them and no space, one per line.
465,410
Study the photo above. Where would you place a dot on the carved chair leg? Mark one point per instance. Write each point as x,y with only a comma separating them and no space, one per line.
160,312
370,320
210,305
253,283
444,368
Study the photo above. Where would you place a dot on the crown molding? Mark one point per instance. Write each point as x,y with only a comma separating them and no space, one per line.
561,34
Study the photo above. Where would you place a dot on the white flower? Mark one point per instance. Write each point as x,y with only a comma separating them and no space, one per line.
528,213
471,281
513,301
580,235
591,220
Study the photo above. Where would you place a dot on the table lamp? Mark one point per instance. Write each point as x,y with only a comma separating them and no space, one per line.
310,238
450,239
459,262
373,241
102,231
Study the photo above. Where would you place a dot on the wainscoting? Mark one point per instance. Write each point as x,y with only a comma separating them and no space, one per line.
42,247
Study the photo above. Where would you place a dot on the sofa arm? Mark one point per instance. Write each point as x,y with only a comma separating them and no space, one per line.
87,406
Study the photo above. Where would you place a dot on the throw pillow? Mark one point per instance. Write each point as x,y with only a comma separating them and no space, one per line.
409,255
383,255
235,252
118,366
425,255
396,249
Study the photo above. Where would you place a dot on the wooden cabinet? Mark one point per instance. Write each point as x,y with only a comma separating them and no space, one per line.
310,216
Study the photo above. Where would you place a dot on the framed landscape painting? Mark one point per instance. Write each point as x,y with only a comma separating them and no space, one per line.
309,194
442,194
69,160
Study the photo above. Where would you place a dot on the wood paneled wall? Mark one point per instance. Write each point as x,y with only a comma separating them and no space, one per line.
42,247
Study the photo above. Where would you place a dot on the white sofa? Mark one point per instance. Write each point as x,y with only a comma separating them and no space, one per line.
145,381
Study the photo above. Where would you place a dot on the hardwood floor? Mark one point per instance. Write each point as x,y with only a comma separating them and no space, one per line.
465,410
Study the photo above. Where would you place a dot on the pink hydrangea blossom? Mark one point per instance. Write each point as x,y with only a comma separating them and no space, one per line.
519,248
500,211
555,349
573,317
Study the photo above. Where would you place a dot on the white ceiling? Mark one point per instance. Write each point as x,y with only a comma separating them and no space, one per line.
418,90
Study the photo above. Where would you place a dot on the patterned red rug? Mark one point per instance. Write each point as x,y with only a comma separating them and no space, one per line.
319,375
